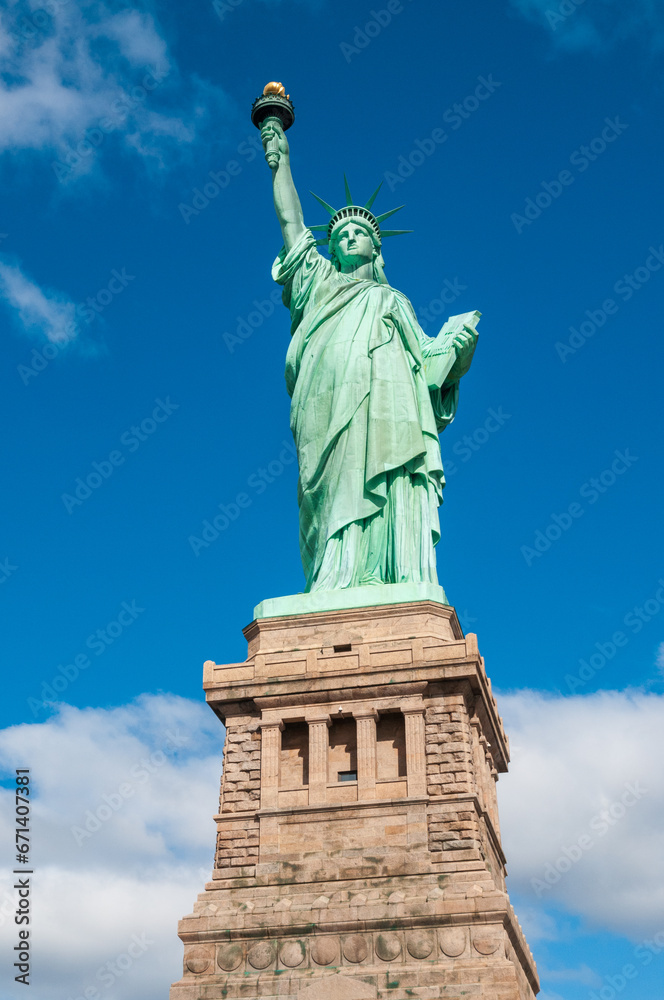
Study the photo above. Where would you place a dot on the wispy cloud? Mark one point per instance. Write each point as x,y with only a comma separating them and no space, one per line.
572,760
660,658
83,75
123,835
42,314
597,25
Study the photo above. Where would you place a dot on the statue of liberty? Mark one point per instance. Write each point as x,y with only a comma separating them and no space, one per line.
370,393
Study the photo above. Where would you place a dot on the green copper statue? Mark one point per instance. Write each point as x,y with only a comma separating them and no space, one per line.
370,394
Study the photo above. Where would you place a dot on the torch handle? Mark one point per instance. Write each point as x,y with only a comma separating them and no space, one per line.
272,154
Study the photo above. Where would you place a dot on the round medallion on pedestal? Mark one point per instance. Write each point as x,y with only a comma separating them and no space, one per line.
453,941
355,949
261,955
292,953
229,957
388,947
419,944
485,944
197,960
324,951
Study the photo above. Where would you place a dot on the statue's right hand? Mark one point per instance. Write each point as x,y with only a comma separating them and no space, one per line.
273,137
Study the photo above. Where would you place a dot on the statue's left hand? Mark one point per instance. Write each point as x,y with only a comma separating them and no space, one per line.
464,345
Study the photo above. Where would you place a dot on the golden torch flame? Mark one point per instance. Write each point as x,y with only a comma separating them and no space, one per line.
275,88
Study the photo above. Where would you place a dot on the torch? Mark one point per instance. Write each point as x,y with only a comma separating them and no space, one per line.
273,106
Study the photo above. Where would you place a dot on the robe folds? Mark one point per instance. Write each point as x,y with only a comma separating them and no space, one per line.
365,425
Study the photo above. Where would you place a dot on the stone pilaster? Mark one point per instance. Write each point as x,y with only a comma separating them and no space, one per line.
271,748
365,721
415,752
318,748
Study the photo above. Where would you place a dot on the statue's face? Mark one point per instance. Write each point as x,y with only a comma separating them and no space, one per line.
353,246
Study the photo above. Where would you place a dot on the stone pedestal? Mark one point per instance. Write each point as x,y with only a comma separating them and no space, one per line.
358,847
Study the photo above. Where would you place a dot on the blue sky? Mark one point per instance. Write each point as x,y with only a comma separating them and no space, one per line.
143,344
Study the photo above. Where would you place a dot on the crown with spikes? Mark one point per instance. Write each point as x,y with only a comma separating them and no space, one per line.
361,212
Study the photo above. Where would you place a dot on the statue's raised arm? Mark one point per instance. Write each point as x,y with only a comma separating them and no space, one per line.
286,199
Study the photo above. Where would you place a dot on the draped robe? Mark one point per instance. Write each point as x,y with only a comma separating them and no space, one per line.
365,425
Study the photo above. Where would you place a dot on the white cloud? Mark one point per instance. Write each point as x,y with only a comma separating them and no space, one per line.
83,77
144,780
77,80
660,658
574,761
124,837
537,923
45,314
597,25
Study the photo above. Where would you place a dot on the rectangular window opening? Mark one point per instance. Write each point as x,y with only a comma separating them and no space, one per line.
345,647
391,746
294,756
342,753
